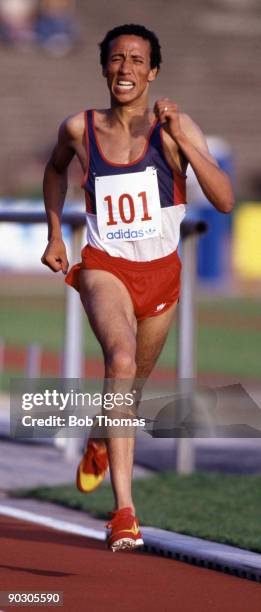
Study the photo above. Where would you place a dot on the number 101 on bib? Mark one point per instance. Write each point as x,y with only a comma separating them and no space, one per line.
128,206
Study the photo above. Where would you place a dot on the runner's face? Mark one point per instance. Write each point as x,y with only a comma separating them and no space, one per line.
128,70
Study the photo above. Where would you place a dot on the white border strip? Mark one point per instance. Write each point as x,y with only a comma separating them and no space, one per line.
47,521
158,540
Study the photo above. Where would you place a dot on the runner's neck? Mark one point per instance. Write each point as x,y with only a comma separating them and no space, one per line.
128,117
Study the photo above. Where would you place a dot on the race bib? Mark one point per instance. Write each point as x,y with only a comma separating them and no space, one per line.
128,206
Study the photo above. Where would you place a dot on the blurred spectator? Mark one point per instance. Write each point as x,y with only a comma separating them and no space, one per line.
56,29
17,19
48,23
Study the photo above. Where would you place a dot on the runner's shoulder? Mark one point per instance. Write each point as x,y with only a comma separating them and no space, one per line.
187,122
72,127
189,126
196,136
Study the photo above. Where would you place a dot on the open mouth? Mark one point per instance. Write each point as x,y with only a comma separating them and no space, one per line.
124,85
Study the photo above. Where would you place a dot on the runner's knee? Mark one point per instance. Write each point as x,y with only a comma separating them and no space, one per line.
120,363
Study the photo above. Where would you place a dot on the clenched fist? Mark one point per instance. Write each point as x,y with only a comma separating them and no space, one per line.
168,115
55,256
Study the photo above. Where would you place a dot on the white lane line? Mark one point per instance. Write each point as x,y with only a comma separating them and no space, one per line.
47,521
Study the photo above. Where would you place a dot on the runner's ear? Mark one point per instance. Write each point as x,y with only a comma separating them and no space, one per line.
152,74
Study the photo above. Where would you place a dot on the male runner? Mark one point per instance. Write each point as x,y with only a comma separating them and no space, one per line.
134,161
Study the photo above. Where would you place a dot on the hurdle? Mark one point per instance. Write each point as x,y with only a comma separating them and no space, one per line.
186,333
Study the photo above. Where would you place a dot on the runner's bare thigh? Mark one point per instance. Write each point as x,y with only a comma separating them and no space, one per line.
109,309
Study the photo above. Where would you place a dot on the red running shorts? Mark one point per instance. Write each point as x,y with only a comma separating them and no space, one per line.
152,285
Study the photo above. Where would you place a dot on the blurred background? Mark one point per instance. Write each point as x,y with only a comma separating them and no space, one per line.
50,69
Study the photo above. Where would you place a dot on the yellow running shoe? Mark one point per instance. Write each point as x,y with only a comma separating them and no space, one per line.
93,466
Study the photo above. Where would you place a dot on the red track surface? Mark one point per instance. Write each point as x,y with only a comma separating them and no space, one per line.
34,558
51,365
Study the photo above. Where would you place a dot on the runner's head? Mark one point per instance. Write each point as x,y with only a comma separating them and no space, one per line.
132,30
130,57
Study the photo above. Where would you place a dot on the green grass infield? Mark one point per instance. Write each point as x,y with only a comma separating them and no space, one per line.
227,341
219,507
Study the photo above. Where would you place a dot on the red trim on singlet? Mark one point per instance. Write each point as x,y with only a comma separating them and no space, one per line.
136,161
179,179
177,171
87,146
179,182
88,202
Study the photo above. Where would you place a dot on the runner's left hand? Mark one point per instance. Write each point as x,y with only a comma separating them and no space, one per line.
168,115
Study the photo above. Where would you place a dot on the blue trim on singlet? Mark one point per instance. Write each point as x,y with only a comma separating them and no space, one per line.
154,156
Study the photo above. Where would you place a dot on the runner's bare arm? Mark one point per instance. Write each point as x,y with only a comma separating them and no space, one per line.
215,183
55,188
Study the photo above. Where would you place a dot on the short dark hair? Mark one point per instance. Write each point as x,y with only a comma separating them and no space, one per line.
134,30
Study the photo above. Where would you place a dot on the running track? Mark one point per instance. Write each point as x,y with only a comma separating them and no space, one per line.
34,558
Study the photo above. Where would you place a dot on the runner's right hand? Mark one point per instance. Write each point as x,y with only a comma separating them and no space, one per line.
55,256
